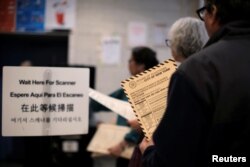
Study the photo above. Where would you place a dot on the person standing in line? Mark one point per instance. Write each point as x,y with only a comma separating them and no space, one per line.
142,58
206,122
186,36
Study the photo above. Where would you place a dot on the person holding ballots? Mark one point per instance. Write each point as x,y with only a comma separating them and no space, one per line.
142,58
206,122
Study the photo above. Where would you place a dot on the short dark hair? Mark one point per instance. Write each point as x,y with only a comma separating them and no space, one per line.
144,55
230,10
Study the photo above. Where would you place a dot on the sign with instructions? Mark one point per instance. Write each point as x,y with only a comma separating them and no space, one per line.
44,101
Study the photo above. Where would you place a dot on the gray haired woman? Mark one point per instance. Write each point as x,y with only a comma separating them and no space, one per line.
186,37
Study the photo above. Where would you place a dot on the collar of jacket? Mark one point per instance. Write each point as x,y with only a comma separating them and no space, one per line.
231,29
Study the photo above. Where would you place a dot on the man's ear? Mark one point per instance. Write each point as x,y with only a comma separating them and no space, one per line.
215,22
214,19
212,22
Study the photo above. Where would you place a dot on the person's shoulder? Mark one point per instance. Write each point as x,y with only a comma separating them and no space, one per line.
201,72
212,56
202,68
194,62
120,90
117,93
204,59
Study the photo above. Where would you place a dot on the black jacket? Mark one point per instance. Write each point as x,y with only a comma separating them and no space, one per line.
208,109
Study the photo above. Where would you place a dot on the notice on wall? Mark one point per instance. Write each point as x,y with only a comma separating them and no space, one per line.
45,101
159,34
111,50
7,15
30,15
60,14
137,34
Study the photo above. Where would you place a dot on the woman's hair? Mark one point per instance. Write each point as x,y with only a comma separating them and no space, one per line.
187,36
230,10
144,55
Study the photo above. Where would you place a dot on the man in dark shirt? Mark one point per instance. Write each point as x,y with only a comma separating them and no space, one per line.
207,120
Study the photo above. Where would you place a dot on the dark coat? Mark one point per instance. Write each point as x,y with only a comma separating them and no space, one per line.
208,109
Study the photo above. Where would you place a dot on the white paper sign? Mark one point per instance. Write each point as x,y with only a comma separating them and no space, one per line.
137,34
118,106
160,31
60,14
111,50
43,101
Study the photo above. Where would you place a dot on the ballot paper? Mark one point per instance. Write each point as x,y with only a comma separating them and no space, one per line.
109,135
118,106
147,94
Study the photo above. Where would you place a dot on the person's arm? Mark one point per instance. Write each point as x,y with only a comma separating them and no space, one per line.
117,149
134,124
133,137
179,136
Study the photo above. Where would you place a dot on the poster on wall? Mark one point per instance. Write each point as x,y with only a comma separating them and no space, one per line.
137,34
60,14
111,50
45,101
30,15
159,34
7,15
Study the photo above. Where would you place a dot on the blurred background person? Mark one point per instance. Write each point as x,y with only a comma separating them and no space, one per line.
142,58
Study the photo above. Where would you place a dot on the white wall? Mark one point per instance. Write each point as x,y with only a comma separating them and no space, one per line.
201,3
96,18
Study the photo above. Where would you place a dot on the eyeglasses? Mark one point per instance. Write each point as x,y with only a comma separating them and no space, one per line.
168,42
201,12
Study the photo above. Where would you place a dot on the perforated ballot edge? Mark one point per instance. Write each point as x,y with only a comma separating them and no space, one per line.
147,94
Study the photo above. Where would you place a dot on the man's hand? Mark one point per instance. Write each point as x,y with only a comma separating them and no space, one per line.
135,125
116,150
145,144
